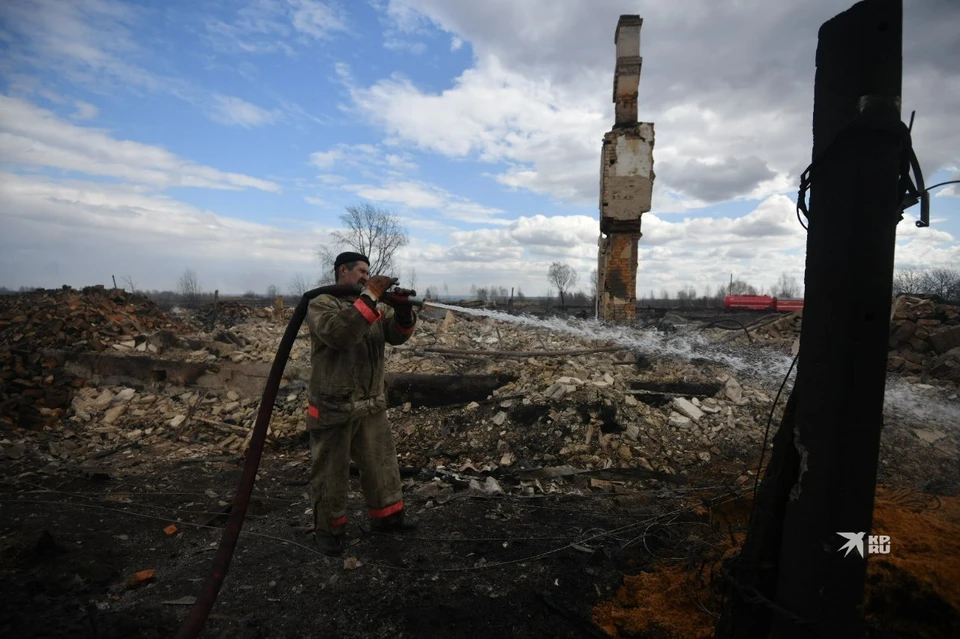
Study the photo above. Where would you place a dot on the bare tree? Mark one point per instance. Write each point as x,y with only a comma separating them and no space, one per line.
129,283
411,279
328,256
686,295
189,287
369,230
706,299
786,287
736,287
943,282
907,280
563,277
272,291
594,285
298,285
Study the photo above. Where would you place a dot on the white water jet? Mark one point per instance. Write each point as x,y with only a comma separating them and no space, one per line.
764,365
916,404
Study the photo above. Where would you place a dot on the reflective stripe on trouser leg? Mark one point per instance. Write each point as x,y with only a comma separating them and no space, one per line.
374,452
329,476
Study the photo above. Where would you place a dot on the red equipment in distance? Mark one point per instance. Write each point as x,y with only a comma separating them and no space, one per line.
761,303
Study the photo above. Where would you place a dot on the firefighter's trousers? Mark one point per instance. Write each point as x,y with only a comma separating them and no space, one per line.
369,442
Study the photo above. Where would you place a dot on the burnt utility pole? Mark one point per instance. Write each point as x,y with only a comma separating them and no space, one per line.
855,204
790,579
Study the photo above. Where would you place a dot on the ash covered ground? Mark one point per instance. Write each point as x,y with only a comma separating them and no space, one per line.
543,502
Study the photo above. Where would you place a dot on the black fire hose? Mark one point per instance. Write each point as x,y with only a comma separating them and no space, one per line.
221,562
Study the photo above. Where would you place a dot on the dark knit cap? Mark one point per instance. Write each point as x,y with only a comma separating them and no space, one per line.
345,258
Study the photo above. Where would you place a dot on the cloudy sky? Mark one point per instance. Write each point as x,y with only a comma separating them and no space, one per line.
139,139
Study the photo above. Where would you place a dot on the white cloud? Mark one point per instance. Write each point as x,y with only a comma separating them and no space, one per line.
91,229
422,195
330,179
91,43
370,159
733,122
456,43
230,110
402,44
699,252
270,26
325,159
85,111
316,19
550,139
32,136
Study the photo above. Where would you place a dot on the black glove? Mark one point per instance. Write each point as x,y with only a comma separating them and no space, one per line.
399,299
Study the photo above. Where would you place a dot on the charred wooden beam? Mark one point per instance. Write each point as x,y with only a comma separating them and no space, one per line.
441,390
248,378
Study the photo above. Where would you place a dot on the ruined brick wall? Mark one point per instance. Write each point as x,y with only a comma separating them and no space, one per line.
617,272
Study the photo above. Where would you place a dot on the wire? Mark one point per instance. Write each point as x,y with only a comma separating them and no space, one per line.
930,188
910,193
766,433
653,520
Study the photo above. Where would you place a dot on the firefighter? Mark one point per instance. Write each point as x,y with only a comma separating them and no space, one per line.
346,415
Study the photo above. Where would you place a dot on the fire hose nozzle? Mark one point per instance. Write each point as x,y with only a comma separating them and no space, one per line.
412,300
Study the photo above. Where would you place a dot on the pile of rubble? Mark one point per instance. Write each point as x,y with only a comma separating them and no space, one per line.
231,313
574,403
34,391
784,330
89,319
587,409
925,338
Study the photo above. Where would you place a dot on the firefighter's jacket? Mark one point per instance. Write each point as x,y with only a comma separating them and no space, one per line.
347,357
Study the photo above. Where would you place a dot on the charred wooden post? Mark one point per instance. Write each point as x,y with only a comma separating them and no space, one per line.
855,205
790,580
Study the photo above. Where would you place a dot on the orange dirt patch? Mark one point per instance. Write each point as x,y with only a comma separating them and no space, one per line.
915,589
665,601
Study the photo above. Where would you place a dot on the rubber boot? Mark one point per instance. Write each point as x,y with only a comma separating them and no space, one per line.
331,545
397,522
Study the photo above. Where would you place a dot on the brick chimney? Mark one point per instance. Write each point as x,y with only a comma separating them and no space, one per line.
626,183
626,78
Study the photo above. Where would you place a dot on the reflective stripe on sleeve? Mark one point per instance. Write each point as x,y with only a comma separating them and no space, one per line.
368,313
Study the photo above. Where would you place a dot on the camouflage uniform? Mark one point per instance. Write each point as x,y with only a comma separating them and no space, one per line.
347,415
